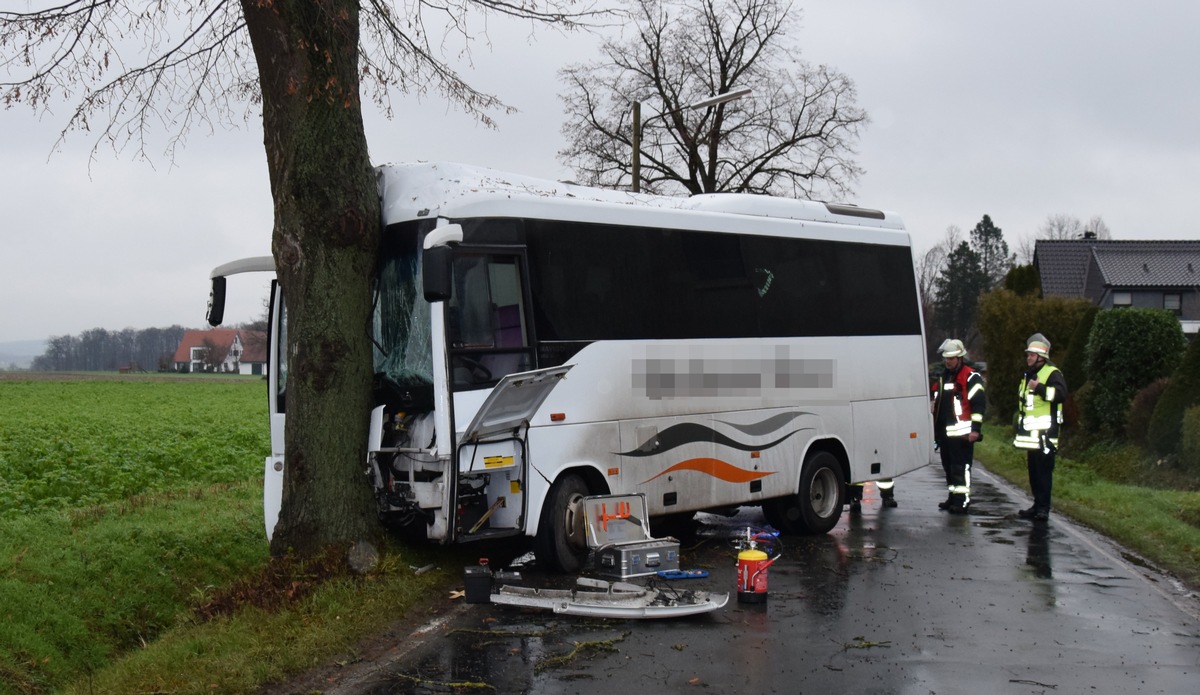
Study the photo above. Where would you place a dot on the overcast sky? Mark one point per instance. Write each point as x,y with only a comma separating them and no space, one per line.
1019,110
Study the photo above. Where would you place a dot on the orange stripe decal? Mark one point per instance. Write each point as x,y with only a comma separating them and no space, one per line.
716,468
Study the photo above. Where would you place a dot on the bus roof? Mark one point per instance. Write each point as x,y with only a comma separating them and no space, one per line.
457,191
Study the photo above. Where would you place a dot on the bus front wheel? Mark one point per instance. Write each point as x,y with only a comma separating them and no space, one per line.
817,506
561,541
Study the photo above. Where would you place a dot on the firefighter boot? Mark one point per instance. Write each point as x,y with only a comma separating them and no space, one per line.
854,495
957,504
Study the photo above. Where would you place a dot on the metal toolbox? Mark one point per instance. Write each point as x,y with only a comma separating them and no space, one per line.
626,560
619,532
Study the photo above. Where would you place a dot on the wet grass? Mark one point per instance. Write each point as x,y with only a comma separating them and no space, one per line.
1159,524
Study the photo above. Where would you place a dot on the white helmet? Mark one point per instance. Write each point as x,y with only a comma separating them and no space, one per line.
952,348
1038,345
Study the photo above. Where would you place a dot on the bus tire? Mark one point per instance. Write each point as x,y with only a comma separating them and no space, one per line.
561,541
817,506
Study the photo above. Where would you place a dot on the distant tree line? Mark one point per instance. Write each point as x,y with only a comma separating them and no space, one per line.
97,349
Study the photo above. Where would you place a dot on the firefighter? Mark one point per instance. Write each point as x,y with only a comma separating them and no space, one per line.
958,402
1042,392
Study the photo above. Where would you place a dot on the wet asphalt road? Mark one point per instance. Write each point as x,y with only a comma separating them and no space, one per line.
905,600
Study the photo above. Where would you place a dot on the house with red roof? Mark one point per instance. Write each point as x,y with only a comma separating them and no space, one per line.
222,350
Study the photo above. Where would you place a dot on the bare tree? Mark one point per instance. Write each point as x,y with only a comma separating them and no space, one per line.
213,358
930,267
1097,227
305,64
1061,226
795,137
1024,250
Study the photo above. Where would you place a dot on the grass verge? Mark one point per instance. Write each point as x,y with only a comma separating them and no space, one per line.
176,593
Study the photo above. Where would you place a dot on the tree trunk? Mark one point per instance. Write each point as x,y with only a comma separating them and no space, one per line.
324,242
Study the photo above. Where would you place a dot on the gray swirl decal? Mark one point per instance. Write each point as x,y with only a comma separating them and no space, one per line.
771,424
689,433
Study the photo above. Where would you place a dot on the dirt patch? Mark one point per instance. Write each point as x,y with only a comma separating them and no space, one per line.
283,582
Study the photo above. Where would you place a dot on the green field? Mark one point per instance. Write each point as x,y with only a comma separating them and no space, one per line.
67,445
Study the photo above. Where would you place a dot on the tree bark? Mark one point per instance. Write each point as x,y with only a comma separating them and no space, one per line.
324,242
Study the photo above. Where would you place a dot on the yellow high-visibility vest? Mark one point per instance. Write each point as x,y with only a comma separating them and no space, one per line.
1039,417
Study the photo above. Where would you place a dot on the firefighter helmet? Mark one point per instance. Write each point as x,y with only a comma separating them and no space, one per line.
1038,345
952,348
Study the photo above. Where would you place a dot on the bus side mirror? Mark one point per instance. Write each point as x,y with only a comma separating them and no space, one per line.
436,274
216,302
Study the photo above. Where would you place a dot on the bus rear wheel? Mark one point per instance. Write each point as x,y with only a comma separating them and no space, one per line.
561,541
817,506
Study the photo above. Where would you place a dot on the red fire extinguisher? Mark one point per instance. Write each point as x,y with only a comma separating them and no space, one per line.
752,565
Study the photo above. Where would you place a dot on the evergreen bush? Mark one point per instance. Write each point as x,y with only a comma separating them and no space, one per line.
1167,419
1006,320
1073,363
1127,350
1024,280
1189,448
1142,408
1081,400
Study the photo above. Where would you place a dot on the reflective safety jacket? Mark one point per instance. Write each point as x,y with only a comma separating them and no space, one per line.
963,394
1039,412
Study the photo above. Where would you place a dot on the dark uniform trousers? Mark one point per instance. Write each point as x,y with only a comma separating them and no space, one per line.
957,454
1041,477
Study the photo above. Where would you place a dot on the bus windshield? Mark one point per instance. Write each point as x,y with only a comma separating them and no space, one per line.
403,354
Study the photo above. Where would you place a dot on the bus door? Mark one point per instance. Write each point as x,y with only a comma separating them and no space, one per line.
492,455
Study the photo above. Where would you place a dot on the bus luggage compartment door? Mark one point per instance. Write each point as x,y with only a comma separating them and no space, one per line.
492,486
890,437
490,493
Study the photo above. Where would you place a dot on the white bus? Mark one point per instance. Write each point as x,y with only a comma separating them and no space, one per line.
538,342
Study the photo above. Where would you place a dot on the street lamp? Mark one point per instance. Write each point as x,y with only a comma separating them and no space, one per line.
637,125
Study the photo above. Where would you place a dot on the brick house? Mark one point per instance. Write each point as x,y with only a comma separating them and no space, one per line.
222,350
1123,273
